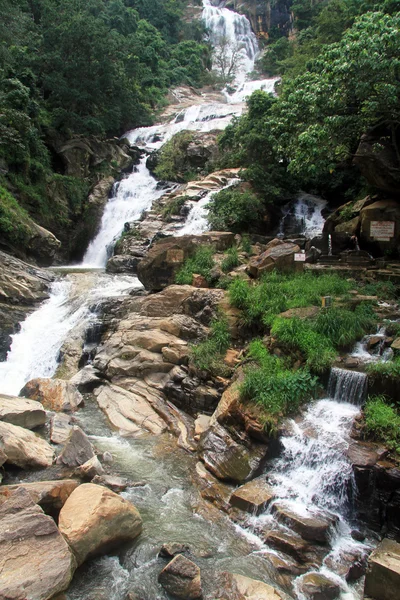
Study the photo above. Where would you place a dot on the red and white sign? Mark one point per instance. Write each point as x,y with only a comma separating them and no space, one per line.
382,231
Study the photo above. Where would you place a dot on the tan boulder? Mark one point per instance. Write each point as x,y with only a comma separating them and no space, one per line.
23,448
50,495
315,528
253,497
60,428
237,587
382,580
277,256
35,560
94,519
21,412
53,394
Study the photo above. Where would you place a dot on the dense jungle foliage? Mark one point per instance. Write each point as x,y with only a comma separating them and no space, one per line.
86,67
341,79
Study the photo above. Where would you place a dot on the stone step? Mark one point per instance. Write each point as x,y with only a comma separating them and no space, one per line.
314,528
253,497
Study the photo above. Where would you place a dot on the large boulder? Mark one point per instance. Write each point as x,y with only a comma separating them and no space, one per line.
376,158
94,519
22,412
50,495
237,587
130,411
317,586
227,459
35,560
381,210
23,448
253,497
382,580
163,260
54,394
278,255
315,528
181,578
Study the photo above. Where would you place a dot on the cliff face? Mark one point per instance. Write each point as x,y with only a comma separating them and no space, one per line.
265,15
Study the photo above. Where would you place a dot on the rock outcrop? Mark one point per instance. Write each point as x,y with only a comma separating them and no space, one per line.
94,520
35,560
22,287
23,448
278,255
181,578
237,587
77,450
54,394
21,412
382,580
50,495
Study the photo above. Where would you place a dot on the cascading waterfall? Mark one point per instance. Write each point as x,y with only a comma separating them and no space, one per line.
303,216
347,386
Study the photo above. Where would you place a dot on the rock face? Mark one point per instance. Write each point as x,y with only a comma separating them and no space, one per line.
158,268
19,411
181,578
227,459
379,167
54,394
238,587
265,15
279,255
95,519
23,448
382,580
22,287
381,210
35,560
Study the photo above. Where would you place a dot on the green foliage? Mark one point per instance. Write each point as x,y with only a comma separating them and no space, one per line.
209,355
13,219
389,369
343,327
246,244
201,263
383,289
278,390
234,210
382,422
173,207
172,164
231,260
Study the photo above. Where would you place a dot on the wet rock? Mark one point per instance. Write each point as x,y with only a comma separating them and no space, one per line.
53,394
351,362
382,580
201,425
172,549
90,468
365,454
114,483
86,379
22,412
253,497
129,411
181,578
358,535
158,268
237,587
290,543
279,255
94,519
315,528
23,448
123,263
211,489
316,586
35,560
227,459
50,495
60,428
77,451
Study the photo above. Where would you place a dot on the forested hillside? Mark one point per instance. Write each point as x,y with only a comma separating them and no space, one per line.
87,68
334,127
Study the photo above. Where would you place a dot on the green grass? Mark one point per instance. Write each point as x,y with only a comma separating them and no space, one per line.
246,244
13,219
389,369
209,355
231,260
173,207
278,390
382,422
386,290
200,263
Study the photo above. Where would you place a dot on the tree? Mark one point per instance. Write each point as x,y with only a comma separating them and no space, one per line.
227,59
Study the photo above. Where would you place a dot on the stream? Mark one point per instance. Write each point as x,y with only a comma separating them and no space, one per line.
312,474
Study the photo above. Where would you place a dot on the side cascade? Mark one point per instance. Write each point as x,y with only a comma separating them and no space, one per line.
347,386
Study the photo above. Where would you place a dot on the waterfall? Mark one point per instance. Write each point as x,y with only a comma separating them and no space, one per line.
347,386
303,216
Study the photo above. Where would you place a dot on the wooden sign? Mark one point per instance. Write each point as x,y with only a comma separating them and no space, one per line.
382,231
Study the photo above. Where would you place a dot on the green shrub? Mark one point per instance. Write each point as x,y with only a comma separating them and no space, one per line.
209,355
13,219
382,422
343,327
172,158
278,390
246,244
389,369
231,260
201,263
234,210
173,207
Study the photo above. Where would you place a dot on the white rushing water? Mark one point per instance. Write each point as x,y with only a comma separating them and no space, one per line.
303,216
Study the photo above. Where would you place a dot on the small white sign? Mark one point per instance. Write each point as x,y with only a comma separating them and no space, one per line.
300,257
382,230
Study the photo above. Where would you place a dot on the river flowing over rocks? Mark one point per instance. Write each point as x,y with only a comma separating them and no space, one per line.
127,475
